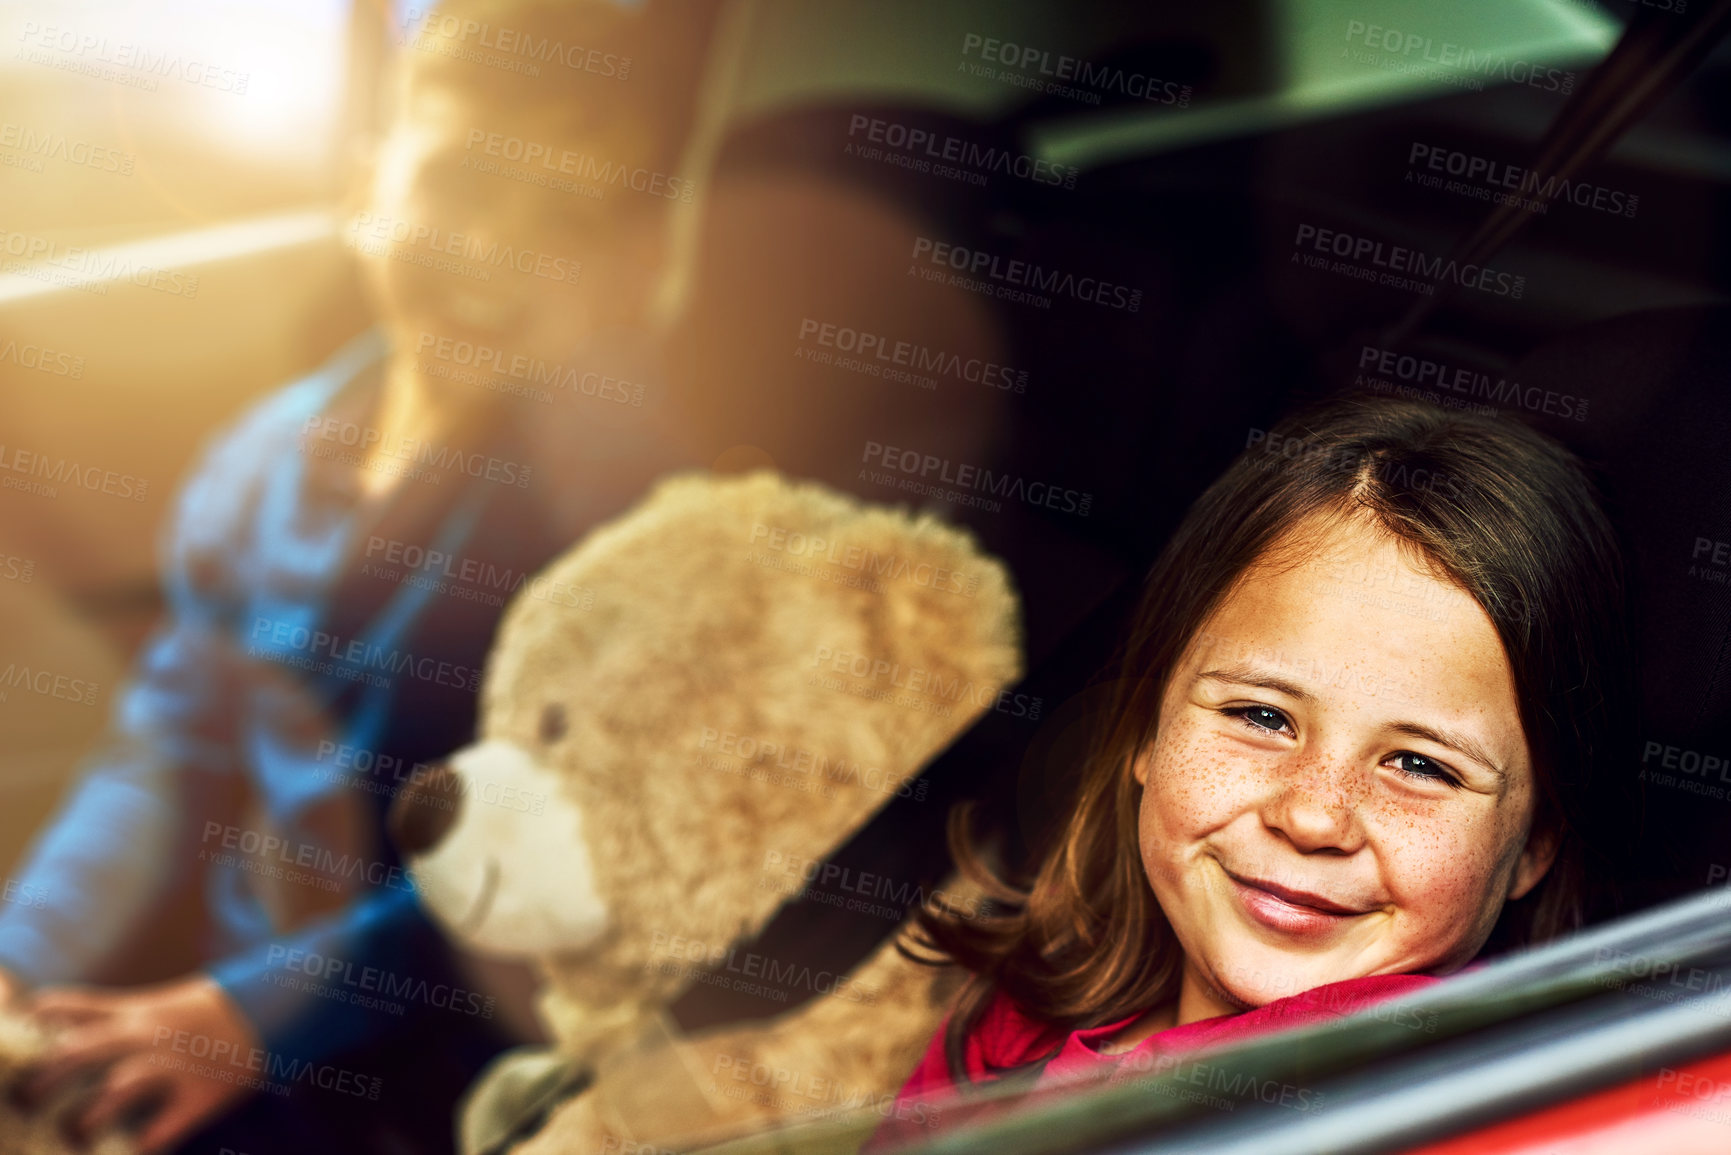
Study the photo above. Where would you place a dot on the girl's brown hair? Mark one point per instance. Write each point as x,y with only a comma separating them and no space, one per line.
1499,508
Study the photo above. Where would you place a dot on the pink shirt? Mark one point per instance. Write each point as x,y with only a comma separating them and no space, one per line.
1005,1037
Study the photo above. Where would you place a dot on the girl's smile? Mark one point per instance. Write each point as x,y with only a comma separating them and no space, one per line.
1294,912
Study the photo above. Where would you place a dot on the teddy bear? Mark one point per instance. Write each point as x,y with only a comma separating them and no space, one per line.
680,718
38,1132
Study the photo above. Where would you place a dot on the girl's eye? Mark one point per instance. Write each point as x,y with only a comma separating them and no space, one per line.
1263,719
1425,769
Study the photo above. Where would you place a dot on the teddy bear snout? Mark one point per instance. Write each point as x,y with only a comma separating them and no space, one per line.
424,811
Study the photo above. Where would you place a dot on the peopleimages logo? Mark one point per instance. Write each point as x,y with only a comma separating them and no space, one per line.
44,473
779,977
422,568
1362,257
87,270
1424,373
42,359
580,166
1413,47
290,643
1502,183
922,685
531,370
40,145
912,356
465,37
366,440
798,1093
900,895
367,981
255,1062
941,154
371,231
93,55
918,469
48,684
1017,280
274,856
863,560
767,754
1072,77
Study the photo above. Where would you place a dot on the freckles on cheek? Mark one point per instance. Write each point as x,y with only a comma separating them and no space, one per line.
1192,785
1439,889
1443,872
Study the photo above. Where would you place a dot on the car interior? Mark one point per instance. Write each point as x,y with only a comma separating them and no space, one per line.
1292,135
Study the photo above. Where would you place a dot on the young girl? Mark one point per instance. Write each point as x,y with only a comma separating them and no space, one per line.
1369,688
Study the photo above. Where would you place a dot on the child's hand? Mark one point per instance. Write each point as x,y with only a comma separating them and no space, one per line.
123,1039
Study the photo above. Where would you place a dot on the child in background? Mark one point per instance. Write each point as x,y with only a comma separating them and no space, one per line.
310,518
1367,695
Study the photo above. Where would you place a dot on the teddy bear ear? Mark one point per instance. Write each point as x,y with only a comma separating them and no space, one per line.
895,625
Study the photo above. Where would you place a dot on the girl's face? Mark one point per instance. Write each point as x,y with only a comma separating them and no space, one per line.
1339,785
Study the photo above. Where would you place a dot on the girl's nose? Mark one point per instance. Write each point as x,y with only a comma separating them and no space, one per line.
1316,811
